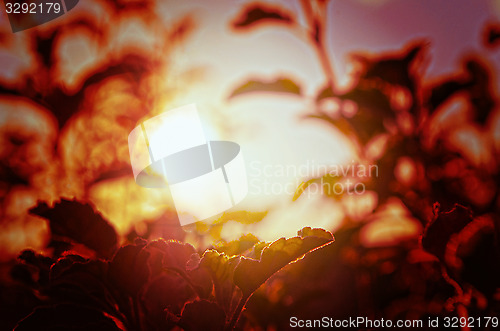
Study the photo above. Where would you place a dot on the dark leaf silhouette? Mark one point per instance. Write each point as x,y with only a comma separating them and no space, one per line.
480,90
475,245
445,224
24,274
128,270
65,263
40,263
476,82
67,317
202,315
11,177
373,111
393,69
280,85
167,291
492,35
441,92
134,265
80,223
172,255
258,13
250,274
16,302
82,283
121,6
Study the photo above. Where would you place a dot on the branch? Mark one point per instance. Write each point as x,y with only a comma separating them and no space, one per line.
317,25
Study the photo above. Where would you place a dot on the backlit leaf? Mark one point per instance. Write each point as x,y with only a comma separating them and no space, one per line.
238,246
221,269
242,216
280,85
250,274
326,181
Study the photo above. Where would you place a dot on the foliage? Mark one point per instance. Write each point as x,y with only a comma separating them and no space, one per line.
153,285
446,176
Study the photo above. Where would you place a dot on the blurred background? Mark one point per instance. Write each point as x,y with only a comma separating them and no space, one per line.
72,90
309,89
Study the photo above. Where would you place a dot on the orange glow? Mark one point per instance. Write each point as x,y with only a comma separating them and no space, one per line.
406,172
372,125
130,65
125,204
390,226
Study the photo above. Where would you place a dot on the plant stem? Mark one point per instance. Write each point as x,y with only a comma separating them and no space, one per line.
317,34
237,312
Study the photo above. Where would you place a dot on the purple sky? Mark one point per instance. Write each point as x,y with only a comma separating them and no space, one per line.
453,27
